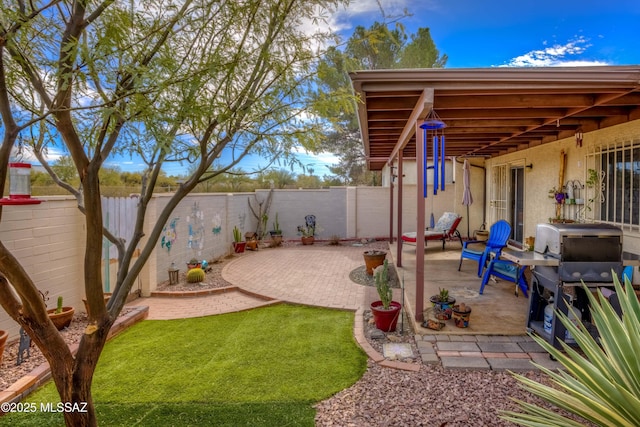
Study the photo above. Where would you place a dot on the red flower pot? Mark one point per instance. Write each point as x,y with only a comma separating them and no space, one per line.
386,320
238,247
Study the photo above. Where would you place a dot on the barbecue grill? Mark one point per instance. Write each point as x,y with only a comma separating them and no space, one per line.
585,253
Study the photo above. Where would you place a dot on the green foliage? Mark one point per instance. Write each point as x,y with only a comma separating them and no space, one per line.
195,275
65,169
267,367
443,296
59,305
276,225
281,178
378,47
237,234
385,292
601,382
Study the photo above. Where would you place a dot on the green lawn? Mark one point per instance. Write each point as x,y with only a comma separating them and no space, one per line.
263,367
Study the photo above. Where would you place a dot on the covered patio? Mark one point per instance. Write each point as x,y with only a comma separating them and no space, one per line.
488,113
498,311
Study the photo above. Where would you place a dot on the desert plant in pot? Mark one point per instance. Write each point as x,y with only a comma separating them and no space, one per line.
373,259
385,311
276,233
194,263
308,234
238,244
61,316
443,304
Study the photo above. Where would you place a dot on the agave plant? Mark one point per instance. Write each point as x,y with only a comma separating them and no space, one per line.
603,384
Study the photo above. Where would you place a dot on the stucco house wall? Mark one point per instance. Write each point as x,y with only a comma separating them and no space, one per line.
543,176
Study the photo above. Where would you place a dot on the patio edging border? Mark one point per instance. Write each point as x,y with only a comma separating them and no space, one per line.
358,333
42,373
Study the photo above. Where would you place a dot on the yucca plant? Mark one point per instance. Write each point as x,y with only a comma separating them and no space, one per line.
603,384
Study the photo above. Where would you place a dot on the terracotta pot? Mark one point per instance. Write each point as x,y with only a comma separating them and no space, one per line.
308,240
3,340
276,240
373,259
61,320
238,247
252,245
386,320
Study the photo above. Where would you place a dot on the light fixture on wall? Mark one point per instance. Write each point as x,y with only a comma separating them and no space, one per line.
579,136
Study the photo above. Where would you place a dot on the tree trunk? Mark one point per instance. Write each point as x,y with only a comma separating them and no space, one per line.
74,382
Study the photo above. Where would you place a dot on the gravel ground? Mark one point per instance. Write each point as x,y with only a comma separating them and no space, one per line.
429,397
383,396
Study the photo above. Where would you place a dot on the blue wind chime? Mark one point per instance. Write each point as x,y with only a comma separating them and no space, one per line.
433,131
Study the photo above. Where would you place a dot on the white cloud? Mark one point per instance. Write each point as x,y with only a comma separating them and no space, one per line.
372,9
556,56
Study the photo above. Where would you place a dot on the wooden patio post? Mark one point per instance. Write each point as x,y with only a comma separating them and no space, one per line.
420,223
391,201
400,184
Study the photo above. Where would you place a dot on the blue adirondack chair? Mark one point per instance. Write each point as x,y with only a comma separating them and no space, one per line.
506,270
499,234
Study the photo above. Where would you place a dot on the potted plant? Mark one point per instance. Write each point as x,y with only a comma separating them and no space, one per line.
238,244
3,340
194,263
308,234
61,316
276,233
385,311
443,304
373,259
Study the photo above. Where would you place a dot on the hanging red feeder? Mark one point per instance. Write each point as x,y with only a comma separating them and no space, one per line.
19,186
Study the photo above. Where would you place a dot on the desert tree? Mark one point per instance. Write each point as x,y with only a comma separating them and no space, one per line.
163,80
384,45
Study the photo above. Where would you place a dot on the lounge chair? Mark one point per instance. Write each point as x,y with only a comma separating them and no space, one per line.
499,234
445,229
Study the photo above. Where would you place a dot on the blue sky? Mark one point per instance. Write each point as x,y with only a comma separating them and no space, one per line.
496,33
499,33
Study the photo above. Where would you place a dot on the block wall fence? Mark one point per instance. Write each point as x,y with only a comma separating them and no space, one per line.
48,239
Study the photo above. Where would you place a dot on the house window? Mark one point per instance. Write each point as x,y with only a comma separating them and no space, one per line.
620,185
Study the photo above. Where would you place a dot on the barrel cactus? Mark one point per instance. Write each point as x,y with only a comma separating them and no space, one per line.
195,275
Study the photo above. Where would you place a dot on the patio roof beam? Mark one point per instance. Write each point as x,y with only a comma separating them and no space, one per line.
420,111
600,100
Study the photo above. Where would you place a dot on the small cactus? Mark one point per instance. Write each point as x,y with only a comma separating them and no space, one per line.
59,308
195,275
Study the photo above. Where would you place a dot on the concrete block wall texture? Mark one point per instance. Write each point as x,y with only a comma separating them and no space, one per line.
48,240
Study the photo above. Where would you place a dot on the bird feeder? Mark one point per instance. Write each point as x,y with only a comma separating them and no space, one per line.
19,186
